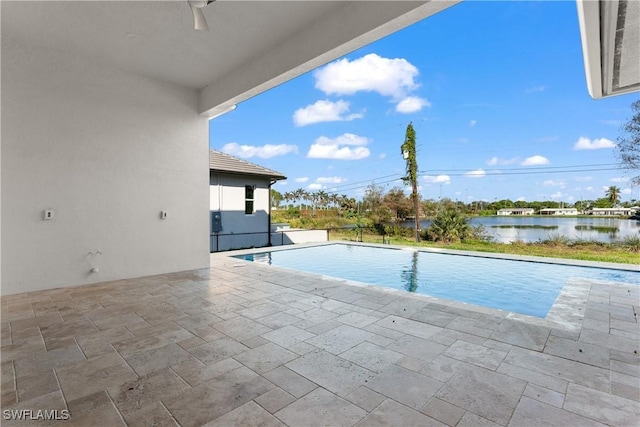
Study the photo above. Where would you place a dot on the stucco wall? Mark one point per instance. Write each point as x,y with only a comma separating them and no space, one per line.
107,150
227,194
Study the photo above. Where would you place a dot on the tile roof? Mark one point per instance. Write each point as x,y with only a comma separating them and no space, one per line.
222,162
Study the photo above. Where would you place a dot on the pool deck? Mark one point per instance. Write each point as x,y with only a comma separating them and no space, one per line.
248,344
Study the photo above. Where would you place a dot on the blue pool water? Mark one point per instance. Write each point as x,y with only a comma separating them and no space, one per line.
521,287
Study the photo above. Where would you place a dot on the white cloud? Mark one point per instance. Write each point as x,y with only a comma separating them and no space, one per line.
302,179
330,180
535,161
324,111
584,143
265,152
339,148
626,191
344,139
439,179
472,123
371,73
478,173
521,199
494,161
315,186
412,104
554,183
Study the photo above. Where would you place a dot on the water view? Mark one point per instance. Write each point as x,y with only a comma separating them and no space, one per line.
506,229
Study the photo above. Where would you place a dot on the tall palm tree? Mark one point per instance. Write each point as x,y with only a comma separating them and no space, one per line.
613,194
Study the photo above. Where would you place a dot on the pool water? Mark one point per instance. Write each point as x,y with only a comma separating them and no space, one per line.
518,286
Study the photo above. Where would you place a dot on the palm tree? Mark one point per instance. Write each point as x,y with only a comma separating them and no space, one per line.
613,194
449,226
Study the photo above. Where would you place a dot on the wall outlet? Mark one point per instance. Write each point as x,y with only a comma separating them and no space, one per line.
163,215
48,214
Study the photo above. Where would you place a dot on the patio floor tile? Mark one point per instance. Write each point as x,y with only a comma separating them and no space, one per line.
391,413
331,372
252,345
533,412
497,400
265,358
321,408
371,356
404,386
215,397
249,414
339,339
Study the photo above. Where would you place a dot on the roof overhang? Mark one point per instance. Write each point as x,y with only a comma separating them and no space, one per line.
610,33
251,46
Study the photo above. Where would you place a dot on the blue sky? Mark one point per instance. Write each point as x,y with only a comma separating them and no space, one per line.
496,93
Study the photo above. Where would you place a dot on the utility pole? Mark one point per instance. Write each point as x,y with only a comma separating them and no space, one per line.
408,150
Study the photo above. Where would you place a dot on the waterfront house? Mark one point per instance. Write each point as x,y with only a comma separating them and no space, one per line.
559,211
611,211
516,211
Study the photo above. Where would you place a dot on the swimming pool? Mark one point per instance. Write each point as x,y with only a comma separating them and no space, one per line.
522,287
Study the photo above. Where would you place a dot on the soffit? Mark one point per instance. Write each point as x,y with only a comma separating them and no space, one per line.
251,47
156,38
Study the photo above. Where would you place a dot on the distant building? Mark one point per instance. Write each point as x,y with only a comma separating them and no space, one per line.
559,211
240,208
612,211
516,211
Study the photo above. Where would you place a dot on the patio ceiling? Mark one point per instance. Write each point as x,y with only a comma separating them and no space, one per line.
251,46
610,33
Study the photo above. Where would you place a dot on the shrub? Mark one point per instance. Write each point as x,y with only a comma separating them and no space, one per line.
631,243
556,239
449,226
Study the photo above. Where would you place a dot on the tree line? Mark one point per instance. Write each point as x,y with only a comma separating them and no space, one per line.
393,205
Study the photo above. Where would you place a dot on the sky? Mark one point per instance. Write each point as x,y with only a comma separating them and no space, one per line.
496,93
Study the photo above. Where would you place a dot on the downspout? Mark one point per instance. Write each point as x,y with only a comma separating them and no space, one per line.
271,182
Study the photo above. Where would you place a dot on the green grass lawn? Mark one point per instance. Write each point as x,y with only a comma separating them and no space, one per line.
588,251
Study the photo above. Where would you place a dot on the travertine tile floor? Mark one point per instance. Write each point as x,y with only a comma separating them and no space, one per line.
243,344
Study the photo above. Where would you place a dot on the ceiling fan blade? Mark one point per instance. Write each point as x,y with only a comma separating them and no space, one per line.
199,21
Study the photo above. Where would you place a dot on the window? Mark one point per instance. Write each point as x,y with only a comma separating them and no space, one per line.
248,199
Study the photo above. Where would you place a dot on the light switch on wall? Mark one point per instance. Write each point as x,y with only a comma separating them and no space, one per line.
48,214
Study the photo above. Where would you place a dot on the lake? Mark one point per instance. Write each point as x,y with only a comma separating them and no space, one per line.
505,229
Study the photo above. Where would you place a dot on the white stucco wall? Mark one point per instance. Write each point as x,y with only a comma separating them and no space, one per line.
227,194
107,150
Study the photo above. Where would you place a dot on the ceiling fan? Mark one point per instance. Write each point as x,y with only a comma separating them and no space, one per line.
199,21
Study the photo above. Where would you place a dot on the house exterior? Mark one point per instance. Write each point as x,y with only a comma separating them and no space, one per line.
106,125
239,202
516,211
612,211
559,211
